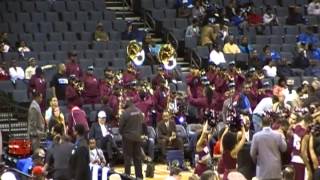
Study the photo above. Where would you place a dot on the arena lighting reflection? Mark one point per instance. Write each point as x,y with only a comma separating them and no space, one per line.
181,119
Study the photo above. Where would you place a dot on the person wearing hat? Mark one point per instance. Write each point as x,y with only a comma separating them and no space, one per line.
105,85
100,35
193,81
38,84
91,87
130,74
72,93
31,68
72,66
101,132
161,75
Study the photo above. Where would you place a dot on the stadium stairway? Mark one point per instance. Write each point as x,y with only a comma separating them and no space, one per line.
123,11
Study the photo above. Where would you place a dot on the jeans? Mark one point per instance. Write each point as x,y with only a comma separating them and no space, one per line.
257,122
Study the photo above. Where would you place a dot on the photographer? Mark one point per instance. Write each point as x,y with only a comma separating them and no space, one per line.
202,150
230,148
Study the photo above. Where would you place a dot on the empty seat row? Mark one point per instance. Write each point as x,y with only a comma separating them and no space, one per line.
60,56
157,4
58,6
55,16
13,39
178,23
74,26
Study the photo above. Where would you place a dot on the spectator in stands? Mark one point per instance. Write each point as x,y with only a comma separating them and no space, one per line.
193,30
16,72
283,69
80,158
244,45
231,9
57,120
36,122
266,149
149,48
209,33
31,68
148,143
216,55
59,82
4,47
184,11
189,3
308,37
198,11
72,66
167,134
301,59
22,48
313,69
53,104
270,70
4,74
254,60
231,47
240,20
91,87
100,35
101,132
295,17
38,84
132,33
270,18
314,7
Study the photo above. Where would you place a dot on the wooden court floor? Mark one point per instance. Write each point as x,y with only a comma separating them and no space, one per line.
160,172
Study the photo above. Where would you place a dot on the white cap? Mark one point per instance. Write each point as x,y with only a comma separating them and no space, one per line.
102,114
115,177
305,83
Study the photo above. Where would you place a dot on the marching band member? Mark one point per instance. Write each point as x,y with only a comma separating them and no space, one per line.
91,87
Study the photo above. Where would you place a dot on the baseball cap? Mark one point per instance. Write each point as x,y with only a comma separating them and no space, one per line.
305,83
102,114
90,68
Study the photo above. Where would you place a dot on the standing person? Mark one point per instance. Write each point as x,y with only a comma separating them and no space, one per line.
266,149
59,82
38,84
72,66
91,87
79,160
36,122
131,130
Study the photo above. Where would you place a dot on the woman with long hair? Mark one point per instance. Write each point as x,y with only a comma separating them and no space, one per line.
57,119
230,148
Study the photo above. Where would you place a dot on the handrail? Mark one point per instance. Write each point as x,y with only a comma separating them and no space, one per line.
195,59
172,39
150,20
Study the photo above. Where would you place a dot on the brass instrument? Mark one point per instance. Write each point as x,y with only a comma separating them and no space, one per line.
120,103
135,53
78,85
168,56
146,87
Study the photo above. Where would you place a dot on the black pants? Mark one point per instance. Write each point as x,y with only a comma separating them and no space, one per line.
132,151
108,144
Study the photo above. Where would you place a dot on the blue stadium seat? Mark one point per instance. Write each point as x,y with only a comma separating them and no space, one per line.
46,56
9,17
68,16
91,54
70,36
81,45
37,46
159,4
82,16
46,27
86,6
31,27
28,6
40,37
37,17
52,46
56,36
76,26
86,36
23,17
16,27
59,6
72,6
27,37
51,16
60,56
20,96
66,46
99,46
13,6
4,27
60,26
96,16
42,6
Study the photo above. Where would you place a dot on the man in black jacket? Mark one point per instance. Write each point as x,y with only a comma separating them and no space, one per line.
79,160
130,127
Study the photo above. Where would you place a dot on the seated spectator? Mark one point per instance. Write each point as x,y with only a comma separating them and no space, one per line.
4,47
230,47
167,134
283,69
91,92
101,132
253,18
231,9
59,82
72,66
149,50
100,34
239,20
208,34
53,104
300,59
189,3
254,60
132,33
97,161
184,11
57,120
314,7
308,37
4,74
313,69
295,17
31,68
193,30
270,70
244,45
269,53
270,18
147,144
16,72
216,55
22,48
198,11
